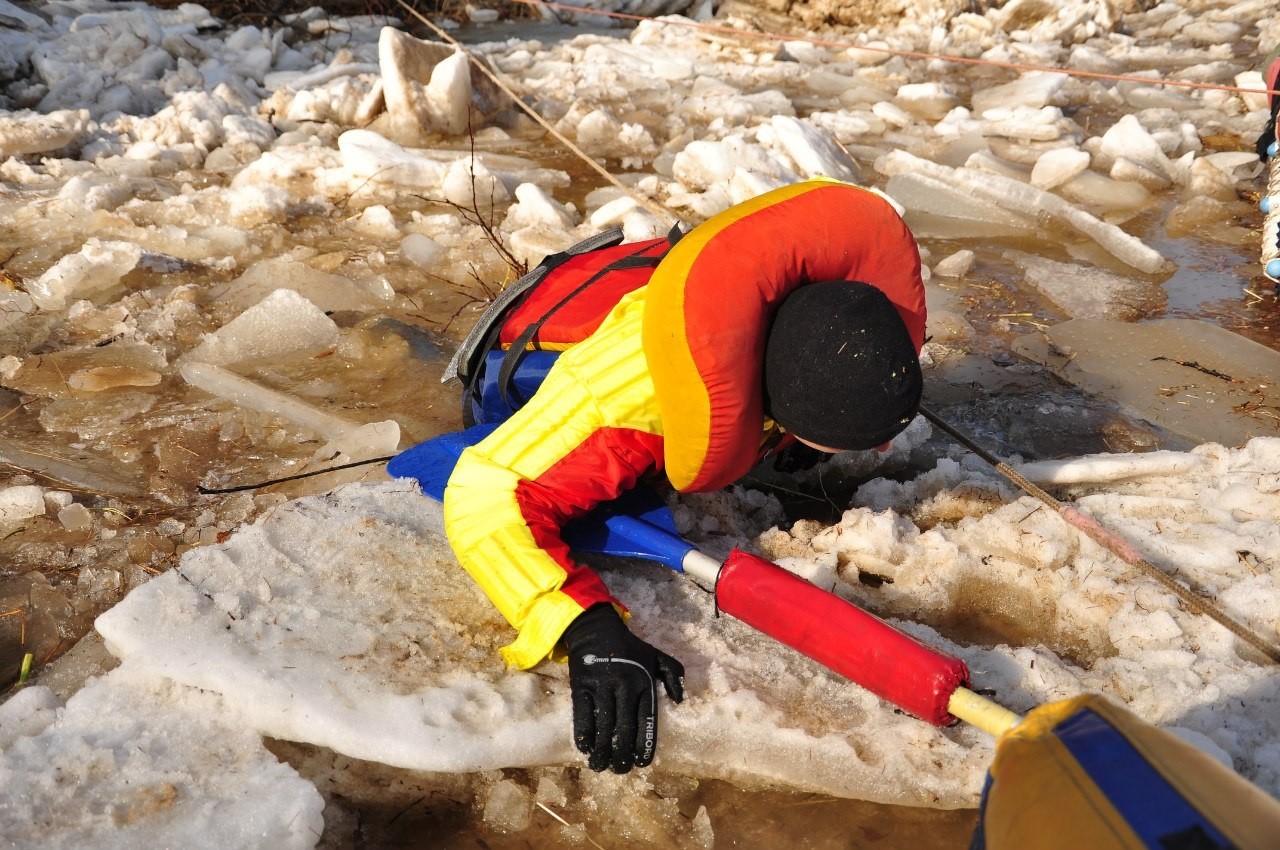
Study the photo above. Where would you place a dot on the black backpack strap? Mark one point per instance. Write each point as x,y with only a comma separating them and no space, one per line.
511,360
470,354
604,239
674,235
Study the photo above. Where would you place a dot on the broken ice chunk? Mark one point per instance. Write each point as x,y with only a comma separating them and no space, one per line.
66,373
1088,293
1205,180
56,500
534,206
76,469
1100,468
22,502
1127,171
75,517
253,205
97,418
1256,97
100,584
328,292
927,101
1024,124
924,194
508,808
1237,165
421,250
377,222
958,264
227,385
530,244
369,156
613,213
1211,219
549,792
97,266
99,378
1015,196
745,185
470,184
704,165
1057,167
1100,192
375,439
600,134
426,85
1129,140
30,132
985,160
813,150
1034,89
281,323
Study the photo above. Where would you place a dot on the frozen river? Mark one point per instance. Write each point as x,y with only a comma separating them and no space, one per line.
231,253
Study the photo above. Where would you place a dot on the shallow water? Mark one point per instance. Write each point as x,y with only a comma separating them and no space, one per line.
374,806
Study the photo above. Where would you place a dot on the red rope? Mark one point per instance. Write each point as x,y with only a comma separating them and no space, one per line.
1014,66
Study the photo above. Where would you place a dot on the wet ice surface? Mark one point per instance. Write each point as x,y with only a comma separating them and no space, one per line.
231,254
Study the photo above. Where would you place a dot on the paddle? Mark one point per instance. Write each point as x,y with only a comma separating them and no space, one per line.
832,631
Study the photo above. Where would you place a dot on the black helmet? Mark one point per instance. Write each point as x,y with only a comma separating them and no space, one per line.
840,369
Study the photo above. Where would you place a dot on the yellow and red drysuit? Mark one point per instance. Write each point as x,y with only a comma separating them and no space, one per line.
670,381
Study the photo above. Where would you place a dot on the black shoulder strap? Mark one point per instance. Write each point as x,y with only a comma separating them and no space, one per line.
467,359
675,234
511,360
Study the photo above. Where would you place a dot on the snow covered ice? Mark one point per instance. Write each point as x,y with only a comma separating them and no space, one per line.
136,762
233,252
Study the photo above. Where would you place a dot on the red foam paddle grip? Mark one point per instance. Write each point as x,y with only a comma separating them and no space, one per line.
841,636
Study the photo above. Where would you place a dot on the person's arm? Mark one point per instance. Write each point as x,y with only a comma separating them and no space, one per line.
508,499
504,508
588,433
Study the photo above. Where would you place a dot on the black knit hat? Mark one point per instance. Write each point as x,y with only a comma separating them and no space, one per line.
840,369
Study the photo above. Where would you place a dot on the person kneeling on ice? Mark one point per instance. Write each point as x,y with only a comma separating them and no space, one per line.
796,316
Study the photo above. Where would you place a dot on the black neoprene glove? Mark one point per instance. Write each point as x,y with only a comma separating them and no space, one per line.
612,674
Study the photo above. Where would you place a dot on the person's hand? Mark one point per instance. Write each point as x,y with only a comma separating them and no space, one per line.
612,677
798,457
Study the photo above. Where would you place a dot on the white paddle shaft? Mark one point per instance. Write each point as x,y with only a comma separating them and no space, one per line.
702,567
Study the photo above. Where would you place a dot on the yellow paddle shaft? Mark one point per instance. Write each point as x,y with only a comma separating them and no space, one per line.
979,711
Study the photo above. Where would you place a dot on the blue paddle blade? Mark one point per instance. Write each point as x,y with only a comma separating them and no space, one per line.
635,525
431,463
